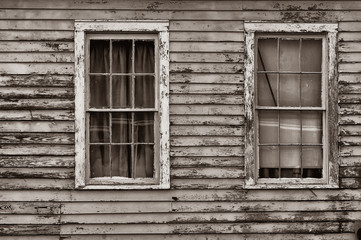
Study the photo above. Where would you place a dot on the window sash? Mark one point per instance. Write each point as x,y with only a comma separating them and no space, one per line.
133,109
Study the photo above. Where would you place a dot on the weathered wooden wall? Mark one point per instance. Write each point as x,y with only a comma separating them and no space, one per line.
206,199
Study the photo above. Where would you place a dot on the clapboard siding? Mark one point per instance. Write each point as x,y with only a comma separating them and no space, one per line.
207,199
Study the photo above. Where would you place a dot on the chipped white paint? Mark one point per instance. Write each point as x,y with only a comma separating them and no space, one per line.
330,173
162,180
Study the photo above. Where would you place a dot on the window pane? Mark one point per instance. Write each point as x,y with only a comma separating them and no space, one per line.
312,157
99,91
99,127
144,127
311,55
121,160
267,55
312,127
290,160
143,161
122,56
144,56
122,91
290,90
311,90
99,161
144,91
268,157
289,55
267,89
99,56
121,127
269,173
268,127
290,127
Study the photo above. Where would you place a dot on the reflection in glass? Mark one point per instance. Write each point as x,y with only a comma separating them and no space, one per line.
99,127
99,161
289,55
290,90
144,56
144,92
312,127
290,161
122,56
290,127
144,127
311,55
267,89
121,127
121,94
99,56
143,161
268,127
311,90
99,91
121,160
267,55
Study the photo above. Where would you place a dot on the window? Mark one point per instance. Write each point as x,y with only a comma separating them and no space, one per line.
291,105
121,96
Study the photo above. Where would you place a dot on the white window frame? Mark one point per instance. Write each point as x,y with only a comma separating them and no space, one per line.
162,161
331,168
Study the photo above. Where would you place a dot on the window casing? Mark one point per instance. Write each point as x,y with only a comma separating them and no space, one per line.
290,106
121,95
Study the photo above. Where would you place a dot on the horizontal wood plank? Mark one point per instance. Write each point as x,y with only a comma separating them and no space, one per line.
36,68
205,141
29,208
209,120
54,173
224,47
220,26
217,110
207,151
35,183
185,98
45,35
34,80
29,229
37,138
36,104
207,57
207,173
33,149
35,92
59,57
206,88
206,68
36,161
37,126
178,130
206,36
36,115
206,78
207,161
36,46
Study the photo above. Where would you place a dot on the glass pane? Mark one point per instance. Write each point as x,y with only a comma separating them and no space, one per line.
311,90
268,127
312,157
312,127
144,57
289,55
267,89
144,92
268,157
290,157
312,173
311,55
122,56
290,127
122,91
121,128
290,90
267,55
99,127
269,173
121,160
143,161
291,173
144,127
99,91
99,161
99,56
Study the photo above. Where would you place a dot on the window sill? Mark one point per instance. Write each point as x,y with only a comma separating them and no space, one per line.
125,187
285,185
